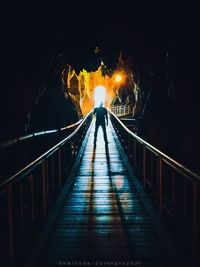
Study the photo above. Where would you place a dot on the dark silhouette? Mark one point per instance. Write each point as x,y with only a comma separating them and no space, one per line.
101,116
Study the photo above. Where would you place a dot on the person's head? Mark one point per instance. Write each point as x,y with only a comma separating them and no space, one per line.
101,104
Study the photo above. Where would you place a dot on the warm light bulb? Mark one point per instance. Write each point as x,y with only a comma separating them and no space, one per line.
118,78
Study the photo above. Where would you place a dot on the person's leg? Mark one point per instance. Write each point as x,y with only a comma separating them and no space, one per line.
104,132
96,131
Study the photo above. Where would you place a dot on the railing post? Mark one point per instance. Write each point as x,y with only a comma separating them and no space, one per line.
134,153
59,167
21,206
160,171
194,224
144,166
129,145
173,194
52,172
47,179
11,223
44,188
150,172
185,207
32,198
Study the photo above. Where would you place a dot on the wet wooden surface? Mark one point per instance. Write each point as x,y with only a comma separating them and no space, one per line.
103,217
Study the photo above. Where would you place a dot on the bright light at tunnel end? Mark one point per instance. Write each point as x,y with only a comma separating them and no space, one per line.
99,95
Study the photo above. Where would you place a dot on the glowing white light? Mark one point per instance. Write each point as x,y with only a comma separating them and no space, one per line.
118,78
99,95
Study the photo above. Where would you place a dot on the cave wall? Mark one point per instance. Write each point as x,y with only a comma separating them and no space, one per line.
170,116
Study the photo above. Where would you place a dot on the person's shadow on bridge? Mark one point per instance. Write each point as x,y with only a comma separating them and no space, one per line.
106,205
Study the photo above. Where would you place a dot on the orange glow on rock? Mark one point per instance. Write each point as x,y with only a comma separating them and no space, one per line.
82,86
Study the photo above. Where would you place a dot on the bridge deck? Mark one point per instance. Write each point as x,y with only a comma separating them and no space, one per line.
103,216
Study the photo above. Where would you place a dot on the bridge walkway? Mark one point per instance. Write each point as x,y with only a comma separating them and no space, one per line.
103,216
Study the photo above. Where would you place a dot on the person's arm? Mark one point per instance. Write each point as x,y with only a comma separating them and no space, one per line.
107,117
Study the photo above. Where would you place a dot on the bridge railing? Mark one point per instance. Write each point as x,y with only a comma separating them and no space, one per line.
29,147
27,196
121,110
36,134
174,188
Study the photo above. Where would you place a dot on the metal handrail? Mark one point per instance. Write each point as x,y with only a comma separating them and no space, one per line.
36,162
29,194
32,135
121,110
174,187
169,160
126,119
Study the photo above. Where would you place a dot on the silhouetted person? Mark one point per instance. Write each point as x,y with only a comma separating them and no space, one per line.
101,119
